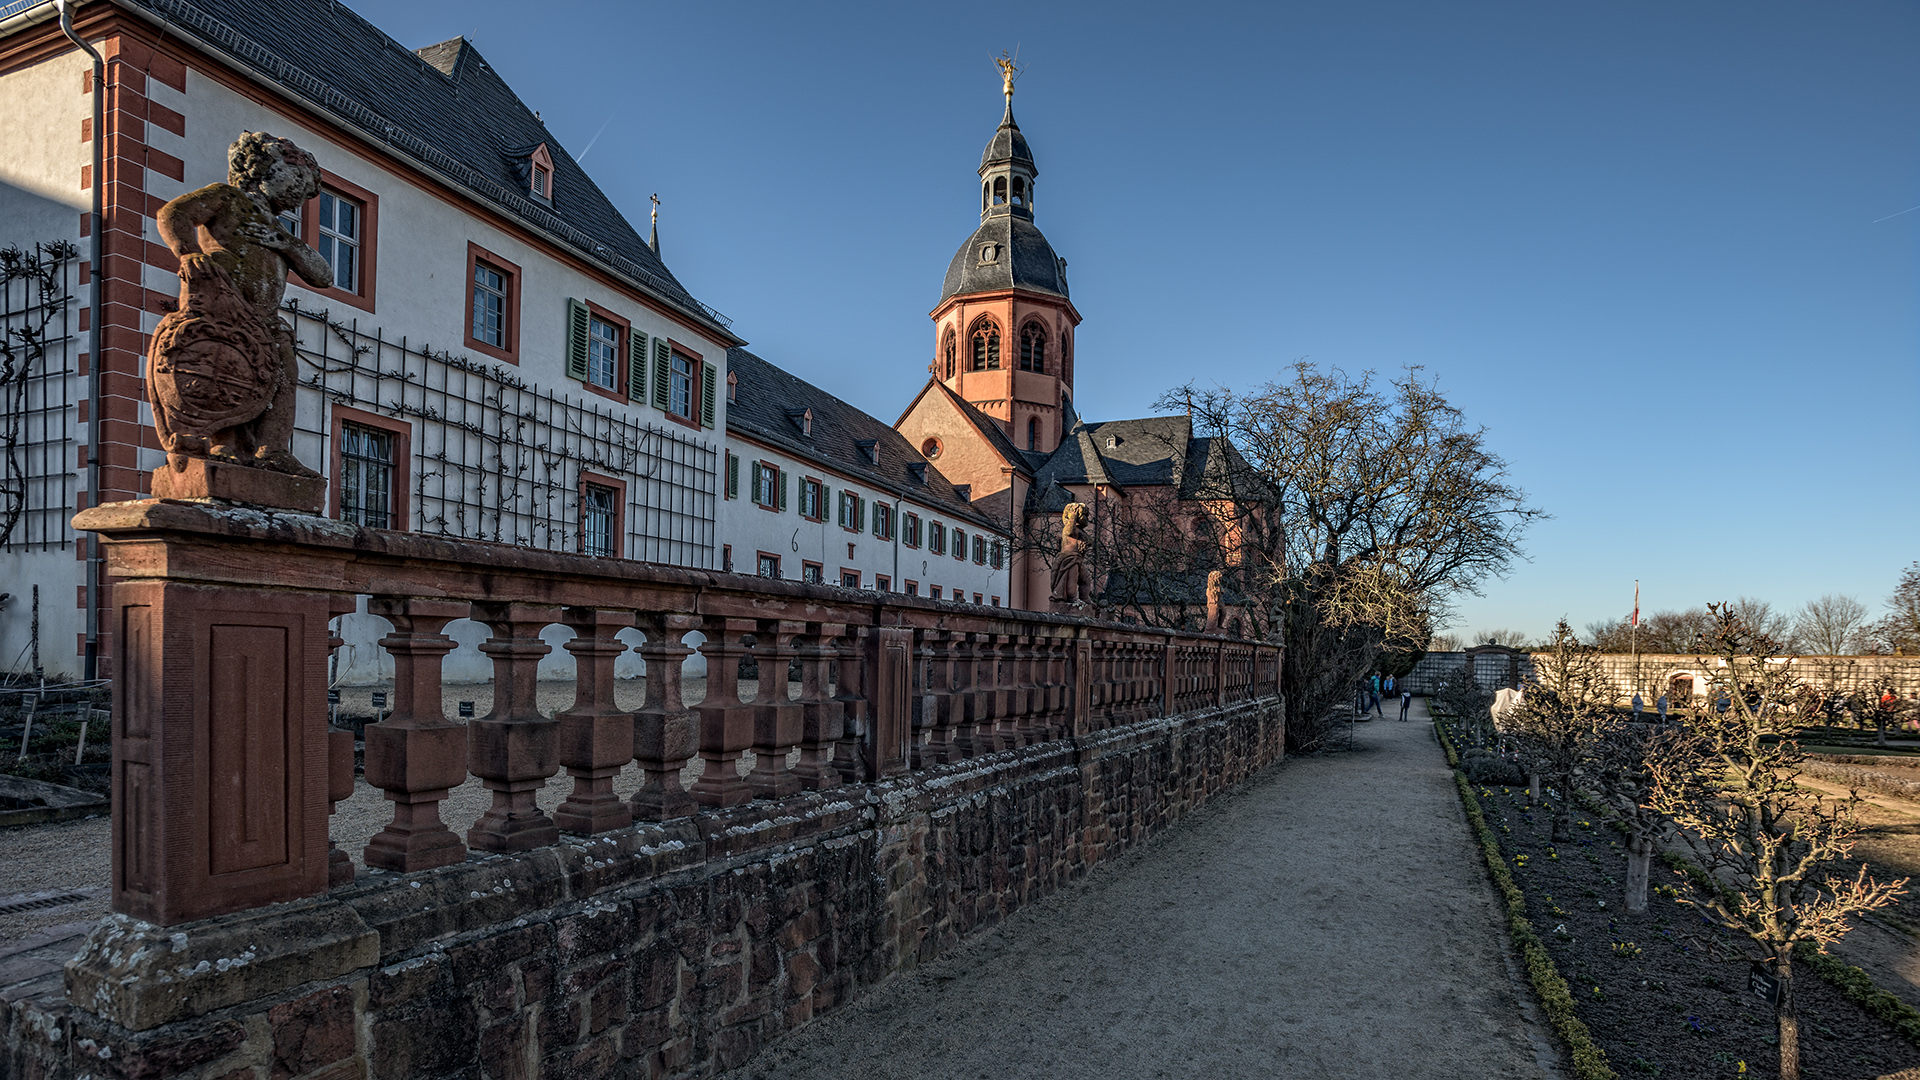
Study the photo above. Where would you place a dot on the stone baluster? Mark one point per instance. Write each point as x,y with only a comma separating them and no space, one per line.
1032,720
1006,695
726,722
822,717
941,704
666,734
339,790
849,756
972,737
777,719
416,755
513,749
596,738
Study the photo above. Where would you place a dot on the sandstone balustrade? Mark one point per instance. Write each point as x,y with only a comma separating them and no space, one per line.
225,773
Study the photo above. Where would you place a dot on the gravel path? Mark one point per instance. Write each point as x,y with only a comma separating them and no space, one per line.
1331,919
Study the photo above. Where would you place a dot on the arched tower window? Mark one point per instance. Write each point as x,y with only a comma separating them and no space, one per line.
1019,191
1033,434
999,190
985,189
950,352
986,345
1033,348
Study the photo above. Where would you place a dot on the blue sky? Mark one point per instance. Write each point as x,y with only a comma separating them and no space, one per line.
1638,242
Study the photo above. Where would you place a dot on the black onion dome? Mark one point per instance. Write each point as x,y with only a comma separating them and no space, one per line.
1021,259
1008,144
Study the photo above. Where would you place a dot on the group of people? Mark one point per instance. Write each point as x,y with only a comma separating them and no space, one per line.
1367,697
1640,704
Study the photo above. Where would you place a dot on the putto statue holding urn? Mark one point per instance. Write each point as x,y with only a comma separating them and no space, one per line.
222,367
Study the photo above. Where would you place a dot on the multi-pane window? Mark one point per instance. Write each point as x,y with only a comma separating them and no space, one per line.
366,476
766,484
340,224
812,499
996,555
883,521
597,514
936,538
986,347
933,591
603,352
913,588
883,582
769,565
850,579
852,513
979,548
680,387
959,543
489,305
910,530
810,573
290,220
1033,348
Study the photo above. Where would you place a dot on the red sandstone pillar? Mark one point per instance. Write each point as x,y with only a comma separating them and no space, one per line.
595,737
666,733
726,723
823,719
940,701
513,748
1081,678
220,783
850,755
971,738
415,755
777,719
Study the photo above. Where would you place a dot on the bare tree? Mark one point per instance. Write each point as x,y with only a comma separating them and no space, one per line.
1443,643
1760,618
1775,848
1512,639
1562,718
1389,504
1623,778
1899,630
1830,626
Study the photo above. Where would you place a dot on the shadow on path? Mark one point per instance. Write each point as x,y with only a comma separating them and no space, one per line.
1330,919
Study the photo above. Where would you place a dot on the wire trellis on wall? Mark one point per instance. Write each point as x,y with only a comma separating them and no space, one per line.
495,458
37,397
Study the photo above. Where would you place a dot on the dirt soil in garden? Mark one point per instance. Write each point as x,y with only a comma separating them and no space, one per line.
1330,919
1647,985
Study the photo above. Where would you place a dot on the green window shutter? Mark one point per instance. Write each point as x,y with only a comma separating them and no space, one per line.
662,373
733,475
706,395
636,366
783,489
576,340
860,513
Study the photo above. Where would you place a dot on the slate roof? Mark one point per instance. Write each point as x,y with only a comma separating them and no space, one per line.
1008,144
445,107
766,397
1026,260
1152,451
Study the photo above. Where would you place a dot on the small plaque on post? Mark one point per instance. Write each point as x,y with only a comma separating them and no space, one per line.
466,710
379,699
1762,984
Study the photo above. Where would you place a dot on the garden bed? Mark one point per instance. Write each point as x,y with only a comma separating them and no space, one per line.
1644,987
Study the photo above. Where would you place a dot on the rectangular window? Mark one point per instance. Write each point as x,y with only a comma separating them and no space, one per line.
883,582
883,521
340,219
910,530
603,353
853,511
979,549
912,588
996,601
489,305
291,220
976,598
493,305
726,558
599,509
996,554
766,485
366,476
769,565
680,390
812,499
850,579
959,543
811,573
933,591
936,538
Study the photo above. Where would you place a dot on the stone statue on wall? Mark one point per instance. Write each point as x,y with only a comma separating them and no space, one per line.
1216,601
222,367
1072,577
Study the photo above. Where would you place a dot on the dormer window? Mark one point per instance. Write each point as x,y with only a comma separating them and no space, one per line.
540,174
1113,442
803,418
918,471
870,448
965,491
733,387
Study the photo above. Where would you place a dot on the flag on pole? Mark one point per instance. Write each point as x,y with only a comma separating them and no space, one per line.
1635,621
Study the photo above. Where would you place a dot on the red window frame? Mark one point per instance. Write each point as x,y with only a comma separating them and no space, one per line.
398,487
620,352
618,541
369,238
511,353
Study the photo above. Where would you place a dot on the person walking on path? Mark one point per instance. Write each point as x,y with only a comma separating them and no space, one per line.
1638,704
1377,710
1406,703
1661,704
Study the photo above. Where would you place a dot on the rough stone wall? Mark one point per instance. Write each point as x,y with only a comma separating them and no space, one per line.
663,951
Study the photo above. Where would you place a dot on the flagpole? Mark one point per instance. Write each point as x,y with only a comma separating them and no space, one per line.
1633,636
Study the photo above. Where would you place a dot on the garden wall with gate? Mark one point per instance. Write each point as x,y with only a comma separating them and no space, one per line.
934,768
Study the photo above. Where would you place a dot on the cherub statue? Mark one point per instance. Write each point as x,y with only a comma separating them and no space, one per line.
1072,577
1216,601
222,367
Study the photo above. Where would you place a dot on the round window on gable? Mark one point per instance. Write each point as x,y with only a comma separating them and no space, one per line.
930,449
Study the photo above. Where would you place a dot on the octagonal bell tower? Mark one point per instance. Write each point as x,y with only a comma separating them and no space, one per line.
1003,330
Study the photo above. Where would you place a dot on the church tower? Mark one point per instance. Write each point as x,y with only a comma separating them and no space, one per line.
1003,330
